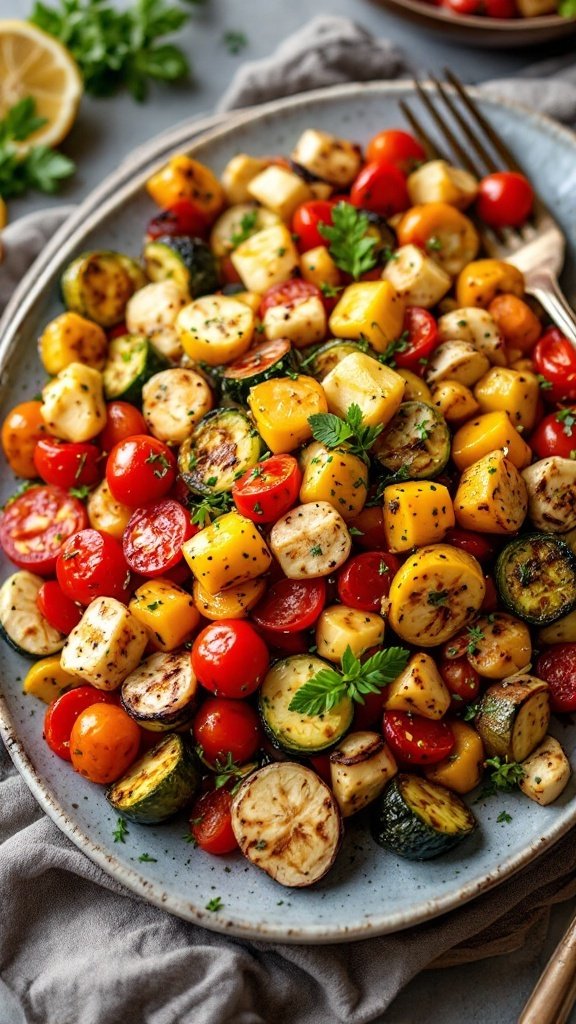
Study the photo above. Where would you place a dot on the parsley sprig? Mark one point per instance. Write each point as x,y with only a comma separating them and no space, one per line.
40,167
248,225
351,247
332,431
210,507
503,778
329,686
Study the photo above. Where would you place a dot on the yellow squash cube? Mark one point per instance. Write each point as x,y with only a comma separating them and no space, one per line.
48,680
491,496
485,434
70,338
105,513
318,267
359,379
511,391
416,513
337,477
463,769
371,310
228,552
166,611
281,408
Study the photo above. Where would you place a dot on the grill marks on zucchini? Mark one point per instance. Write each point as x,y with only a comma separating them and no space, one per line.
158,785
536,577
223,446
513,717
416,441
418,819
160,694
189,262
271,359
99,284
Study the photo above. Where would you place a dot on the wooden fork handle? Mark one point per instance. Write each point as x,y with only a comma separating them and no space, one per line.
555,992
543,285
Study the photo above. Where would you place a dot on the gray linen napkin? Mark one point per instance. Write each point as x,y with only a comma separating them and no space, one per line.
75,946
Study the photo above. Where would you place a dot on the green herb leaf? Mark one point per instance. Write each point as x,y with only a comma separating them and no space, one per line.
329,686
40,168
234,41
145,858
20,121
567,418
332,431
567,8
504,817
248,225
504,776
351,247
210,507
215,903
79,492
120,831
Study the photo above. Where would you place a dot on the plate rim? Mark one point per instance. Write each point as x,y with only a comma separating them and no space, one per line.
524,26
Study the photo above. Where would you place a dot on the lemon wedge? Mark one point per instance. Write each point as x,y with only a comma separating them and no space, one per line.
33,63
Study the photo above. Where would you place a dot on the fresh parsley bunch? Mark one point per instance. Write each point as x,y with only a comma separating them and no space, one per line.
329,686
40,167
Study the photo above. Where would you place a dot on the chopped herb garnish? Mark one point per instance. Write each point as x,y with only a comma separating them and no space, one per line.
215,903
120,831
248,225
234,41
145,858
504,817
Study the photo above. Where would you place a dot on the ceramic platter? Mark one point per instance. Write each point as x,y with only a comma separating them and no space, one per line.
368,892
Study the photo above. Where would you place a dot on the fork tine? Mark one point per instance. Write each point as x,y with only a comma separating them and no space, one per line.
469,134
433,152
481,121
444,128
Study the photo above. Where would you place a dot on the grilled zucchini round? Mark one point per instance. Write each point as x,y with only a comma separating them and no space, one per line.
223,446
187,261
291,730
158,785
536,578
161,693
271,359
416,441
131,361
98,285
418,819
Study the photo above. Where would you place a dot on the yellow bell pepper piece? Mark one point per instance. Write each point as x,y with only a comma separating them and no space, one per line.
228,552
463,769
481,281
512,391
337,477
166,611
360,379
485,434
491,496
318,267
369,309
70,338
281,408
416,513
48,680
234,603
185,178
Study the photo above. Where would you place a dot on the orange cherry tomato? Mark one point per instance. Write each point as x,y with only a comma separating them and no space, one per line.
103,743
21,430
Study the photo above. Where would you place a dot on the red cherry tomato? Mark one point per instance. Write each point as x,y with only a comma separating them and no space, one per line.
461,679
122,420
320,763
91,564
225,727
366,579
289,606
490,601
488,8
294,291
118,331
286,643
183,218
505,199
557,666
63,712
211,822
153,538
472,543
140,470
421,336
555,435
555,359
381,188
269,489
396,147
230,658
368,527
417,740
65,464
35,527
104,742
58,610
306,220
369,714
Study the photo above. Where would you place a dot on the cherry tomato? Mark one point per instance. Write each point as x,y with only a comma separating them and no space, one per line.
140,469
421,338
66,464
555,359
91,564
368,528
557,666
380,187
417,740
306,220
153,538
320,763
21,430
472,543
286,643
488,8
35,527
211,822
289,606
555,435
293,291
118,331
103,743
183,218
461,679
490,600
58,610
269,489
396,147
505,199
230,658
122,420
369,714
63,712
225,727
366,579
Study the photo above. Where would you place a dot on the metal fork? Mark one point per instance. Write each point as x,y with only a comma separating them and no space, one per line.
537,248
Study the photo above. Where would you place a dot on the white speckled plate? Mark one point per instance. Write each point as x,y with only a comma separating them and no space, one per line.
368,892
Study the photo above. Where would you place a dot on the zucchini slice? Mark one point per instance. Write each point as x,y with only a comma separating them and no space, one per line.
418,819
271,359
21,623
98,285
287,823
290,730
131,361
416,441
513,717
536,577
324,358
223,446
161,693
187,261
238,223
158,785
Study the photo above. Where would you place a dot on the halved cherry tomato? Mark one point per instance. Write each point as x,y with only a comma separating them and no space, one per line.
293,291
67,464
417,740
420,337
103,743
140,470
269,489
58,610
557,666
555,435
21,430
35,527
396,147
122,420
461,679
225,727
306,220
183,218
153,539
380,187
472,543
290,606
63,712
555,359
211,822
91,564
230,658
366,579
505,199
